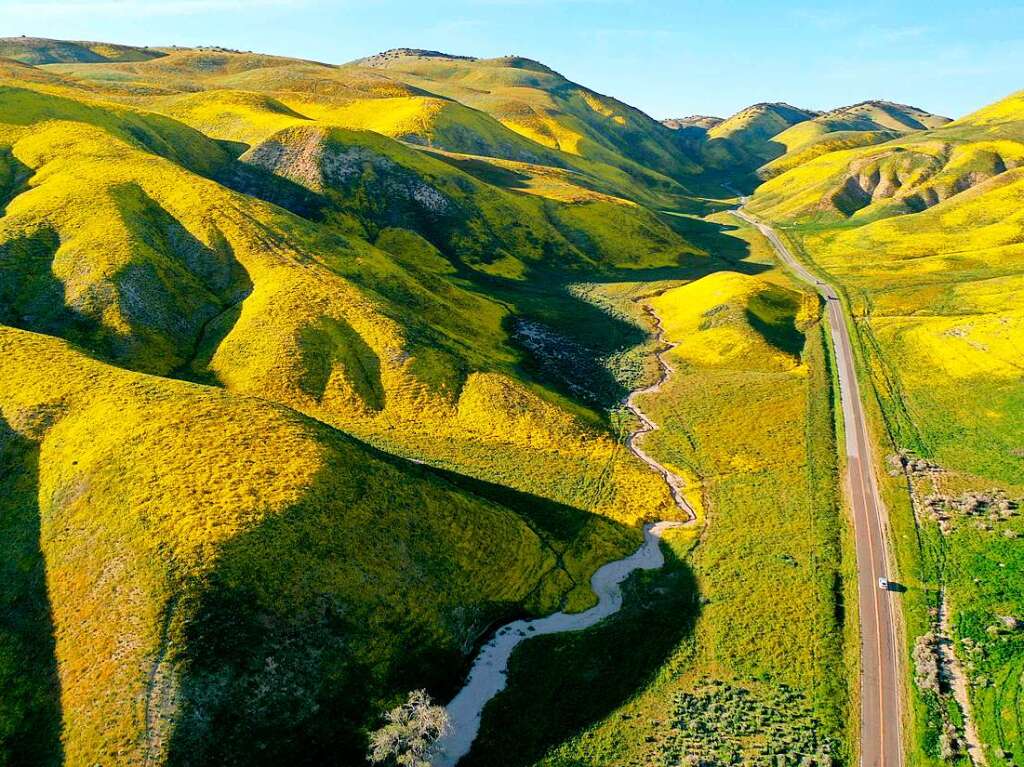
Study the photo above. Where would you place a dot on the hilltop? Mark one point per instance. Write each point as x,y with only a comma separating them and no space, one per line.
695,121
35,50
383,58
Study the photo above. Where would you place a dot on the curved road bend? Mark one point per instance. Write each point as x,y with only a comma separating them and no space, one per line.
881,742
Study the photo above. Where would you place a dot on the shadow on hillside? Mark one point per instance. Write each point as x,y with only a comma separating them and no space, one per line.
551,519
32,298
730,163
17,175
716,239
254,181
180,296
30,711
782,334
488,172
773,313
313,623
584,335
561,684
189,292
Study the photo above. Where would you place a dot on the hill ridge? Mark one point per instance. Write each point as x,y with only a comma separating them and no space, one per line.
46,50
382,57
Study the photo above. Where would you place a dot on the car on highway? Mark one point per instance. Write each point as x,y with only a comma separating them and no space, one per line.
883,584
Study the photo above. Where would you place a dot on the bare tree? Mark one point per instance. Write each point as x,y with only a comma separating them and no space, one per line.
411,729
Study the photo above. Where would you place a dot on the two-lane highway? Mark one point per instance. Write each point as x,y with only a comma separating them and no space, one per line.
881,743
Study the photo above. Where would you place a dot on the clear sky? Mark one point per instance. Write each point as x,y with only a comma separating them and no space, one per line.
668,58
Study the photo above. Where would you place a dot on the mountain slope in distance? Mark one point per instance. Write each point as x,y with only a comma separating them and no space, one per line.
35,50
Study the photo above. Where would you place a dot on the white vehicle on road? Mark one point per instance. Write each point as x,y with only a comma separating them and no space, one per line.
883,584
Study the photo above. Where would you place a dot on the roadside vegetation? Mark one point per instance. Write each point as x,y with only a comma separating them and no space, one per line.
939,333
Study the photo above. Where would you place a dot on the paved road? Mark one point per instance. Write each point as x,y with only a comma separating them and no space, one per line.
880,736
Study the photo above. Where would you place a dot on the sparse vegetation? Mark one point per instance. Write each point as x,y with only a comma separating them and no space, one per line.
411,730
720,724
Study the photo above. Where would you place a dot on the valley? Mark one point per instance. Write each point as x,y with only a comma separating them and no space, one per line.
325,383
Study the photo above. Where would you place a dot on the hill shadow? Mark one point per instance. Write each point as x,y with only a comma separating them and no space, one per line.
30,708
550,519
17,177
187,291
772,313
309,624
730,163
31,296
562,683
488,172
254,181
577,336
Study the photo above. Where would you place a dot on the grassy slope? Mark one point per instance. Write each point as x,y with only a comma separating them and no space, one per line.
740,144
117,237
374,98
742,337
33,50
870,116
933,293
870,122
234,306
190,536
540,104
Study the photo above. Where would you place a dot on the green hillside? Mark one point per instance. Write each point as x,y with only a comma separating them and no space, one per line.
324,274
34,50
537,102
870,122
224,533
745,141
610,146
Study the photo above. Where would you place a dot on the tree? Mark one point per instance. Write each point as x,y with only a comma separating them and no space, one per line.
411,730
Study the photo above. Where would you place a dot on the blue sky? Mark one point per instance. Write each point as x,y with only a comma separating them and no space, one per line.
668,58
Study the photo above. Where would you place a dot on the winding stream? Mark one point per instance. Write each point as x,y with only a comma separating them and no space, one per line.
488,675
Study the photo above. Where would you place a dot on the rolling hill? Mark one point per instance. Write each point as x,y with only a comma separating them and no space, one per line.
764,140
195,541
537,102
222,346
870,122
505,109
745,140
35,50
